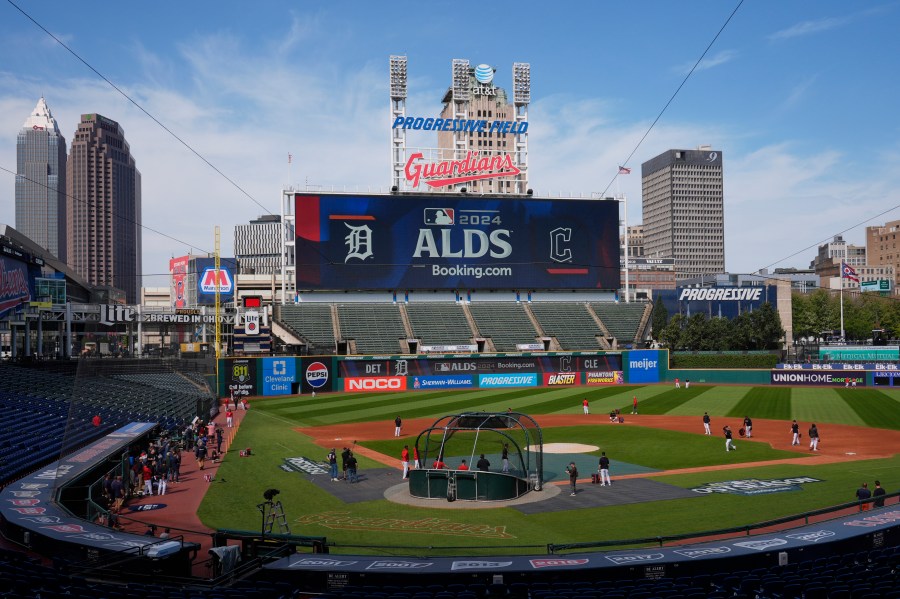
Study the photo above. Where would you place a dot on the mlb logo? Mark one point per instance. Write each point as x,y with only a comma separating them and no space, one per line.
440,216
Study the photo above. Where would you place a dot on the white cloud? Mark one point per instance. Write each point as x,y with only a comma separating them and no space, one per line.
808,28
707,63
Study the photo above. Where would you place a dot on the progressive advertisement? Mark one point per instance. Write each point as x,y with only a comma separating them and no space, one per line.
716,302
452,242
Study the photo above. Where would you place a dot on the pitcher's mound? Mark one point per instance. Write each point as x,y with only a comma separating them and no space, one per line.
569,448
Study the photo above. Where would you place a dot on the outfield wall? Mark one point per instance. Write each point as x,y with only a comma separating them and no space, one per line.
292,375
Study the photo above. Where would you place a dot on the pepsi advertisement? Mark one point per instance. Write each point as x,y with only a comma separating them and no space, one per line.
317,374
454,242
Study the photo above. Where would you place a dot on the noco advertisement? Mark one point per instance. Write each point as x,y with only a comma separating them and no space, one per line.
452,242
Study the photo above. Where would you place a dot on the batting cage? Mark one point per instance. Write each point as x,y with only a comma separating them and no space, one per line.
479,456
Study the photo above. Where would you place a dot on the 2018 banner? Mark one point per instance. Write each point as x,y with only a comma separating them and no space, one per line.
453,242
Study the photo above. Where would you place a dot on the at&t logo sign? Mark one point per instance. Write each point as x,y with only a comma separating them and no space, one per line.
317,375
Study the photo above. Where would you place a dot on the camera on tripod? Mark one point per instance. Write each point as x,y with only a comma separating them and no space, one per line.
270,494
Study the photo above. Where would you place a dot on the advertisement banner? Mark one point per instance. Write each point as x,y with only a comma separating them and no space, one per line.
178,268
609,377
558,379
317,375
241,377
463,365
379,383
716,302
15,284
488,381
452,242
443,382
887,353
643,366
279,376
208,279
840,366
832,379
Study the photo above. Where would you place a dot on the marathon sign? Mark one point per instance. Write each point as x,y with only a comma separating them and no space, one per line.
616,377
831,379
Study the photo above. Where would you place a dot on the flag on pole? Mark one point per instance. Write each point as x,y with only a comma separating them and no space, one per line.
848,272
624,170
290,157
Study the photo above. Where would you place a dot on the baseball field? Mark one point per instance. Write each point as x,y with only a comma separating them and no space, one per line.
669,477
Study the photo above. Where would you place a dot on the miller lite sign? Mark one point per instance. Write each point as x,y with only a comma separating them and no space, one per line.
251,322
211,278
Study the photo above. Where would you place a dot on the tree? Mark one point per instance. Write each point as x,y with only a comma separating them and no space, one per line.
766,324
671,334
658,319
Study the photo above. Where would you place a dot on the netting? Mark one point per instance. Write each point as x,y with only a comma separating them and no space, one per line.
509,442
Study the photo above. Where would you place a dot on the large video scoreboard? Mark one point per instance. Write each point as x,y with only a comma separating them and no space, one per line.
454,242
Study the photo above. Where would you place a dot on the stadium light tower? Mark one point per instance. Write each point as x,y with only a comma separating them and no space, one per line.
398,109
521,100
460,71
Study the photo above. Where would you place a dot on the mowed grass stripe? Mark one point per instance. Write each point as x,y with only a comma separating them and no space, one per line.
875,408
764,402
343,403
572,402
668,401
822,405
718,402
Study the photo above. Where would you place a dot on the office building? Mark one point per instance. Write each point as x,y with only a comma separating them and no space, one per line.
881,247
104,207
257,246
827,262
41,181
683,210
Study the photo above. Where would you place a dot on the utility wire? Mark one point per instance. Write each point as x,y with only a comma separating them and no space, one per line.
671,99
127,220
815,245
139,107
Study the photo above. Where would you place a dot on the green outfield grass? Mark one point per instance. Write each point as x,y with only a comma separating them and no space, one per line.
269,428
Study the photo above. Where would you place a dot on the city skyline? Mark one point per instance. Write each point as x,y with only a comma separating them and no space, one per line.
790,94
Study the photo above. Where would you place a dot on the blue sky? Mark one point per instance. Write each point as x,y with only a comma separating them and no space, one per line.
800,97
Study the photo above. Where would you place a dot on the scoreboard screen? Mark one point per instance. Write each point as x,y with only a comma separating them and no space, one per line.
385,242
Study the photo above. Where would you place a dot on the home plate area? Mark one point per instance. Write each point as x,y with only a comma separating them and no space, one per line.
622,492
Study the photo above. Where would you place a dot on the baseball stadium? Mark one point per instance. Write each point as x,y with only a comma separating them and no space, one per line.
426,411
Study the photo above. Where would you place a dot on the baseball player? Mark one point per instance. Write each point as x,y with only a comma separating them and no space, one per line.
706,423
584,405
795,431
604,470
813,438
729,443
748,426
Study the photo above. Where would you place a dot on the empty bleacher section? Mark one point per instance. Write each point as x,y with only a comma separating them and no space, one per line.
571,323
622,320
506,323
48,413
376,328
439,323
311,322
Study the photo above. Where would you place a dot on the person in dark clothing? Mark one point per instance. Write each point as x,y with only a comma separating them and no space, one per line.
706,423
483,464
862,494
351,468
603,467
748,427
505,458
345,455
572,470
795,433
878,493
729,443
219,433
